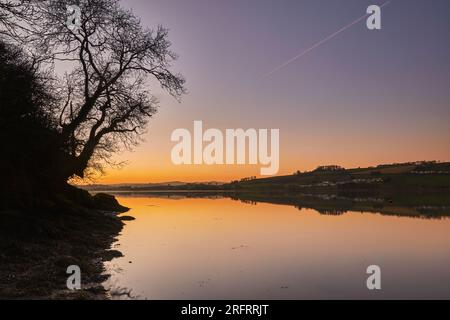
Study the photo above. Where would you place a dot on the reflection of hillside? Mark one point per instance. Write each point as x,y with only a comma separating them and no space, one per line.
335,205
434,207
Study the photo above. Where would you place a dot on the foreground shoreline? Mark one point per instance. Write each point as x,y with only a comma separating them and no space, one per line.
38,245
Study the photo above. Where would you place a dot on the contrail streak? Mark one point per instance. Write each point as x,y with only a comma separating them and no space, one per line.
331,36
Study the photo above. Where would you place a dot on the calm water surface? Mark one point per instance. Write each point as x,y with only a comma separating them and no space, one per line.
182,248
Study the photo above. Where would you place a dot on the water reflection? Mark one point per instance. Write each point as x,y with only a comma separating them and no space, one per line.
215,246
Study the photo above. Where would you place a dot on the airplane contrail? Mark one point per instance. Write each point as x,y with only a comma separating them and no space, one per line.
331,36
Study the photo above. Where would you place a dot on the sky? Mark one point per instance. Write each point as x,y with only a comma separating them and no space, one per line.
362,98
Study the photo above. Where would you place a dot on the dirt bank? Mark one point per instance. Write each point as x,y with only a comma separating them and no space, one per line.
38,244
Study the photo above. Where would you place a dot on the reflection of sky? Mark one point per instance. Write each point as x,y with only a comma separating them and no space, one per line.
364,97
224,249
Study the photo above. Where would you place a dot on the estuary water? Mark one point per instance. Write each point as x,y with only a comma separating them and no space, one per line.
219,248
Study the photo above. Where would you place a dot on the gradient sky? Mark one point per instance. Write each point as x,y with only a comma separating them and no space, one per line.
362,98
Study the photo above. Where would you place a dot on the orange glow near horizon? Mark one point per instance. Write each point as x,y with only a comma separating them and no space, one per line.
344,143
302,150
159,169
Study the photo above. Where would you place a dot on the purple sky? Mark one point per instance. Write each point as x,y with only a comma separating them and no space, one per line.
364,97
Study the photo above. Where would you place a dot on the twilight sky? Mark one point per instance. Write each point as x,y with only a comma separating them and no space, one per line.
362,98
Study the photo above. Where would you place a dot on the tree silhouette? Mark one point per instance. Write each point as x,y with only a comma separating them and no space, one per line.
104,100
11,12
27,128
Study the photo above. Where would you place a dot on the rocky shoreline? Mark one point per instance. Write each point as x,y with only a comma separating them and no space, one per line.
38,245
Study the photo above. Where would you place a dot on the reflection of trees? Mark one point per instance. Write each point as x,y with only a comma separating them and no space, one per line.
331,212
336,206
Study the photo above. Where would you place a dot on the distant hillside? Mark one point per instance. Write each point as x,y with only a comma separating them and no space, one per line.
417,177
423,188
386,178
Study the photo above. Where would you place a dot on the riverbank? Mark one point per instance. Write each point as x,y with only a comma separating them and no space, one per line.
37,245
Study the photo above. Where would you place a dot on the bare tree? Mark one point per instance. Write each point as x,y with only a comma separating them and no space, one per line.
11,11
113,60
18,19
